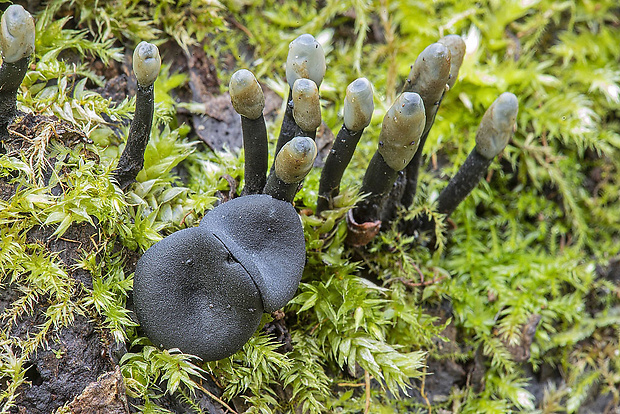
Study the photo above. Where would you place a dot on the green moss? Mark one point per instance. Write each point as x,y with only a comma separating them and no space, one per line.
526,242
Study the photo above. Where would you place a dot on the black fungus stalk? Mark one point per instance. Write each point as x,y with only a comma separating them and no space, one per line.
428,77
249,101
493,134
17,40
292,164
358,108
378,181
146,65
466,179
289,128
306,113
305,60
399,138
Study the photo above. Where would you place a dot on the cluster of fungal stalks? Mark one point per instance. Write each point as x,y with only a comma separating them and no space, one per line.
203,289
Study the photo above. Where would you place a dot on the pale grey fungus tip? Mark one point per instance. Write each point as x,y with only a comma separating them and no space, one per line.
246,94
358,105
306,105
306,59
295,159
403,125
16,34
456,46
497,125
430,71
146,63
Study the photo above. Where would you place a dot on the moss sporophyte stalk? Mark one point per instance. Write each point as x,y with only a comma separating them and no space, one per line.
452,248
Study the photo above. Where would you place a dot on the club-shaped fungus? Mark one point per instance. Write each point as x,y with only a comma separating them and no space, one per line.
146,65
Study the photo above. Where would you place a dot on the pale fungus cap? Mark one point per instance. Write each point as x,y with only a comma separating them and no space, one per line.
306,59
146,63
306,105
295,159
430,72
246,94
16,34
403,125
358,105
497,125
456,46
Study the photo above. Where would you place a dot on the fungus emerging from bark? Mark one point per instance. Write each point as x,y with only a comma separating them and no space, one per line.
248,100
17,33
358,108
146,65
203,289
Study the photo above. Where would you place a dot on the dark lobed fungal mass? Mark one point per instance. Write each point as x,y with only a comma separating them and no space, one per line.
203,290
266,236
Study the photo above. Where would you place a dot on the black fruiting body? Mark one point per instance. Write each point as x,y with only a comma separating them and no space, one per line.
399,138
249,101
339,157
378,181
292,164
493,134
256,154
466,179
305,60
146,64
204,289
11,77
17,39
358,108
429,76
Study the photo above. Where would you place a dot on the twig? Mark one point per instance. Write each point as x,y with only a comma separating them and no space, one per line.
350,384
210,394
315,327
186,216
422,393
411,284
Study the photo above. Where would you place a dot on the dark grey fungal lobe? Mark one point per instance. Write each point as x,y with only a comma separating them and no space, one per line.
203,290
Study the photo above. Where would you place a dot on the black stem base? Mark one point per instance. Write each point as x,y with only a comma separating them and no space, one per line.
11,77
378,181
256,154
279,189
132,158
466,179
335,164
